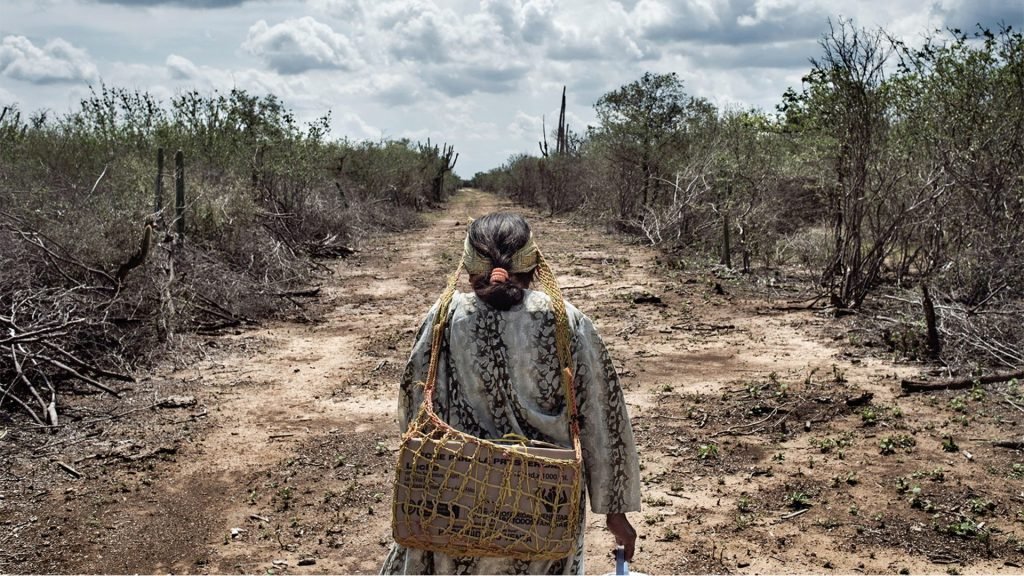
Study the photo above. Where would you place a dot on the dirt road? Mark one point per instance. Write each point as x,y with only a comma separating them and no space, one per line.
279,454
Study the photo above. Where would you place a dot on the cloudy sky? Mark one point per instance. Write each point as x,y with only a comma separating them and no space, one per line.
476,73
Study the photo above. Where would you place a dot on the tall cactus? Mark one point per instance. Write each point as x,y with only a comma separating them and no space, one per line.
561,138
447,158
552,171
560,146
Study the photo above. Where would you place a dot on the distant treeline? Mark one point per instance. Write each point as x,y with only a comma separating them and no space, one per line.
890,164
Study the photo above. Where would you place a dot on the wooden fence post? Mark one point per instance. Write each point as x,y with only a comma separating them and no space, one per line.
159,204
931,324
179,192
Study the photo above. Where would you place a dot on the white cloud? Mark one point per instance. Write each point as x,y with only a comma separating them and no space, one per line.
417,30
524,125
735,22
504,13
538,21
301,44
353,126
352,11
476,73
56,62
6,98
192,4
181,68
394,89
467,79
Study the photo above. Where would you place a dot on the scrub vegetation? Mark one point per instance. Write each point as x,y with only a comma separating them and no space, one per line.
892,171
205,381
106,262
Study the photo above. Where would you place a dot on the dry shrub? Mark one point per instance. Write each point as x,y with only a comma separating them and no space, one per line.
808,247
263,198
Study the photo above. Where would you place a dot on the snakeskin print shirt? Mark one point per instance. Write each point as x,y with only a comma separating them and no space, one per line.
498,374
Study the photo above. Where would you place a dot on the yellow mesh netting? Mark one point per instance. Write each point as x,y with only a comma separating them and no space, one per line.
466,496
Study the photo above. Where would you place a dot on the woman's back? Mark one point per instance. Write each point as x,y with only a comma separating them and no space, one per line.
498,373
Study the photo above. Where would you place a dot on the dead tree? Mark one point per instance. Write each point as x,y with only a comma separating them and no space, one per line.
934,345
553,175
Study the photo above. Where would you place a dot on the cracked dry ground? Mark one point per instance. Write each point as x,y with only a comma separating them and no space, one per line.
753,462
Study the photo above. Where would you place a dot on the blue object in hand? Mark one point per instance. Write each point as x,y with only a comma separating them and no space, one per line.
621,565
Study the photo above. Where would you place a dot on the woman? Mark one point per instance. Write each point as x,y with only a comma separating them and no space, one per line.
498,374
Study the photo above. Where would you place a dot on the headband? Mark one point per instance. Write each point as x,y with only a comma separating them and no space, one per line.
524,260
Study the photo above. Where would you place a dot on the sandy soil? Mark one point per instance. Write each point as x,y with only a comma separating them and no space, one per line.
272,451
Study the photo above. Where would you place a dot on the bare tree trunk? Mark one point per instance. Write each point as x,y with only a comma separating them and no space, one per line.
726,247
934,346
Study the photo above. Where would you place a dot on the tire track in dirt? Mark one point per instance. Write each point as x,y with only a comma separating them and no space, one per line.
334,382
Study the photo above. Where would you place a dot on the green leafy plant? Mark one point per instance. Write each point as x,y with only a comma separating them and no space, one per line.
707,451
744,521
869,416
848,478
798,500
948,445
957,404
980,506
977,393
903,485
826,445
919,502
968,528
889,444
1017,470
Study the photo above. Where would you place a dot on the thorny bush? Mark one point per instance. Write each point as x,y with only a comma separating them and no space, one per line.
94,278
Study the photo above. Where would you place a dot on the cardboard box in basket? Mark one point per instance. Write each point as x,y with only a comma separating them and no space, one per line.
523,507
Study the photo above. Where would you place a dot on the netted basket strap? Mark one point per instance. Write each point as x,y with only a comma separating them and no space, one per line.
443,303
562,339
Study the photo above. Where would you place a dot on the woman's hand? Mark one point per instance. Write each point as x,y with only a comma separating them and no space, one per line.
624,533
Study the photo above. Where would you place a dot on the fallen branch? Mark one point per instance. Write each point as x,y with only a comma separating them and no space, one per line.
910,385
222,311
214,329
33,238
192,417
72,372
125,413
85,366
1011,444
70,470
1012,403
311,293
734,430
792,305
27,408
861,400
68,442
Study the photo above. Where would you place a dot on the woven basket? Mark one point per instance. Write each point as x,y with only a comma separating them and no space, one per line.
467,496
